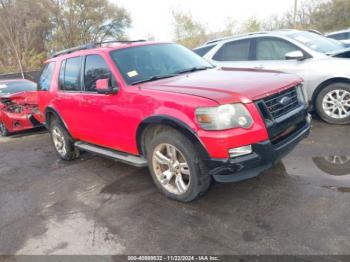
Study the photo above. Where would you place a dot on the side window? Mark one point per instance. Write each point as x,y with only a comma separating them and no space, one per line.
95,68
273,49
340,36
203,50
46,77
234,51
70,74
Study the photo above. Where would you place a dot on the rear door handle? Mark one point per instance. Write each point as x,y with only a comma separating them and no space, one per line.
259,67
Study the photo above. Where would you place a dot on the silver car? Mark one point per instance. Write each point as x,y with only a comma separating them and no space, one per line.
343,36
322,62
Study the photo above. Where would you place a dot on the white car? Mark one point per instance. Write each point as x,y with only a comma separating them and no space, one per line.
343,36
322,62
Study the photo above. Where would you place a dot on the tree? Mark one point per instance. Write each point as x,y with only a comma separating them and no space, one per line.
24,25
187,31
78,22
251,25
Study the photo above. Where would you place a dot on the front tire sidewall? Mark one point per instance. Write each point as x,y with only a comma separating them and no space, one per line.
70,150
3,130
191,156
319,102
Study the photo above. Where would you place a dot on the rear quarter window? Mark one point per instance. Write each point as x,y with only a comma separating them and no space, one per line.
46,77
202,51
234,51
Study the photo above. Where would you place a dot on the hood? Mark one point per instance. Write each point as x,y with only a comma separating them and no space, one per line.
29,98
227,85
344,53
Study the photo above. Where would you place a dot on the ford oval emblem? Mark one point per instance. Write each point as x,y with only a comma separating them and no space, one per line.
285,100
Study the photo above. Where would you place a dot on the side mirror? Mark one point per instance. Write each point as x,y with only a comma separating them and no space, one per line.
295,55
103,86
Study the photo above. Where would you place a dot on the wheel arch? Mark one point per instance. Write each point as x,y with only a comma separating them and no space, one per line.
171,122
325,84
51,112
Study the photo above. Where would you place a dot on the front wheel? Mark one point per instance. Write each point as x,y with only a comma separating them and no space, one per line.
175,166
333,104
3,130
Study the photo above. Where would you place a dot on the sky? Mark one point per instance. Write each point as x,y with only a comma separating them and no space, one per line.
153,17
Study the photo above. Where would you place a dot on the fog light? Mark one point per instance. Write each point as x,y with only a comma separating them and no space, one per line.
240,151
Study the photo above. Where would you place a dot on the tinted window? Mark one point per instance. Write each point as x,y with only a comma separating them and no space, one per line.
71,71
273,49
46,77
12,87
340,36
144,63
234,51
95,68
203,50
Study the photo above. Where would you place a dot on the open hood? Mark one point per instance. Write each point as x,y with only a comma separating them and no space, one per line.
28,98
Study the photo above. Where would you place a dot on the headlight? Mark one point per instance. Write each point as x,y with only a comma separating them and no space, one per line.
224,117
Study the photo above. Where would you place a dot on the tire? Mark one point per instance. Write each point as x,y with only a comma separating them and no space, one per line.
331,95
62,141
190,169
3,130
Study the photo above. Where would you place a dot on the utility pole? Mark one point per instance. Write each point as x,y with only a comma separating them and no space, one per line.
295,13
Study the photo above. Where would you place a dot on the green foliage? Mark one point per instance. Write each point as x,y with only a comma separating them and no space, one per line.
31,30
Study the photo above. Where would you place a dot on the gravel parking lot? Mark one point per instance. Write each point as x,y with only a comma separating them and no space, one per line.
97,206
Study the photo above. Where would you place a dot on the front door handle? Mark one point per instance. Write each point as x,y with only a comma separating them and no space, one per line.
259,67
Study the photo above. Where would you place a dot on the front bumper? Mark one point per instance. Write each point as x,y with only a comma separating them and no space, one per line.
265,155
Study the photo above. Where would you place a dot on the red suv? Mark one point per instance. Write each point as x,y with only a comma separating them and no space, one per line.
161,105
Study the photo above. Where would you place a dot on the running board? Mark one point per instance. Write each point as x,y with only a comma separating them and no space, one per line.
110,153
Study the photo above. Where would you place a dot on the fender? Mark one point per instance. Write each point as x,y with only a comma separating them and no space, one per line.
49,110
174,123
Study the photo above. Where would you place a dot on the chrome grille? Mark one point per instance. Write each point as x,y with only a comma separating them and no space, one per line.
282,103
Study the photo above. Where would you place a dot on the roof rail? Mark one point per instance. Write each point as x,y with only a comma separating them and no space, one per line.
120,41
92,46
74,49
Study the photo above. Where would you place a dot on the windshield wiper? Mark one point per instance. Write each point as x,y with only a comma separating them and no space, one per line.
153,78
194,69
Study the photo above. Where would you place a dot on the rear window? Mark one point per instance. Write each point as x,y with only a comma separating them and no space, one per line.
12,87
234,51
202,51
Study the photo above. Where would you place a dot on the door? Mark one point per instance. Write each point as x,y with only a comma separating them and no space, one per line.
67,100
237,54
270,53
99,113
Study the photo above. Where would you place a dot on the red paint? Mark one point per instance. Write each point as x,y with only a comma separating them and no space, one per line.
15,110
112,120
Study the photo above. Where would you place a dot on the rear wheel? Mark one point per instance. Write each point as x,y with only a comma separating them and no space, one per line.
176,167
3,130
333,104
62,141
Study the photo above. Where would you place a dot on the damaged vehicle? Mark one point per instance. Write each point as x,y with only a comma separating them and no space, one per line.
323,63
18,105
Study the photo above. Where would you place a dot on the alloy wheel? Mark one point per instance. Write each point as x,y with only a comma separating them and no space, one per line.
171,169
336,104
59,141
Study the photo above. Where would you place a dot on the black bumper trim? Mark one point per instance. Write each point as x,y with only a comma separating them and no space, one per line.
264,156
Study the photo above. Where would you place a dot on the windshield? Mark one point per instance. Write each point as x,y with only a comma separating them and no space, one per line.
12,87
317,42
152,62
